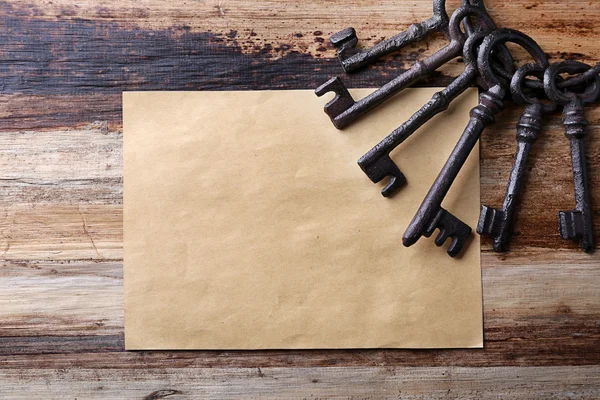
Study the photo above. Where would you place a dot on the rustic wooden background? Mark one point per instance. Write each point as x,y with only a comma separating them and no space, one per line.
63,66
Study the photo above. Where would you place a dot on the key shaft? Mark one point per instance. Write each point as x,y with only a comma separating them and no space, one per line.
343,109
577,224
377,164
491,103
353,59
497,223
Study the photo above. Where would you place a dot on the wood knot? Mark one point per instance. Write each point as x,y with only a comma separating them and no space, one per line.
161,394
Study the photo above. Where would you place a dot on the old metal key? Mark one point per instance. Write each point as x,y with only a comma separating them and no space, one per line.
352,59
575,224
430,215
498,222
377,164
343,110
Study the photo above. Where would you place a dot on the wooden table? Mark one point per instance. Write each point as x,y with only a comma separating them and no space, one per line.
63,66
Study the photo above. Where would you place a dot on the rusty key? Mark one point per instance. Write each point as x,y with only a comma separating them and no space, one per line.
352,59
430,215
498,222
575,224
377,164
343,109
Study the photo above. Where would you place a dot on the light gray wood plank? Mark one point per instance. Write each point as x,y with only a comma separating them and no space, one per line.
304,383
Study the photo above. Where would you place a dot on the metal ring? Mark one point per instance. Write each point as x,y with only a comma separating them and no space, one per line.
470,56
571,82
471,46
486,25
581,78
517,85
564,96
469,29
460,14
502,36
501,55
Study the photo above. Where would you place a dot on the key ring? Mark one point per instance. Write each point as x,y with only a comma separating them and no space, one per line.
467,11
501,55
501,36
565,96
517,85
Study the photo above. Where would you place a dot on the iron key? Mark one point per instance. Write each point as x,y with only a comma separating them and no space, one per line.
343,109
498,222
431,215
575,224
353,59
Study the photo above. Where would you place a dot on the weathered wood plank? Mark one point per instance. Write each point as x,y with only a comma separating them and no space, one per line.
531,318
59,232
62,232
75,168
62,69
287,27
60,299
107,352
61,48
62,167
75,56
21,112
304,383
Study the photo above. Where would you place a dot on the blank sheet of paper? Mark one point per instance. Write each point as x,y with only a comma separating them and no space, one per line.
249,225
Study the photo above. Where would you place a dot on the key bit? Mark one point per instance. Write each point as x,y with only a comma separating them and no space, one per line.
490,221
572,225
449,227
345,41
341,102
576,224
380,167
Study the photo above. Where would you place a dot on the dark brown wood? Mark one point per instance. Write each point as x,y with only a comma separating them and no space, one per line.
62,69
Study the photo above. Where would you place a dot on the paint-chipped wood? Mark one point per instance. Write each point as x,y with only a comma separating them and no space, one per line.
63,67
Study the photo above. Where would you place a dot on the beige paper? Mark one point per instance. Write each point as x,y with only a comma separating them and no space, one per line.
249,225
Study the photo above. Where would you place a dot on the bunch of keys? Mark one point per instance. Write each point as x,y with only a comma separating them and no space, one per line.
537,86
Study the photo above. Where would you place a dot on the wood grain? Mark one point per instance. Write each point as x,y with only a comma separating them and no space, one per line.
530,319
63,67
305,383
